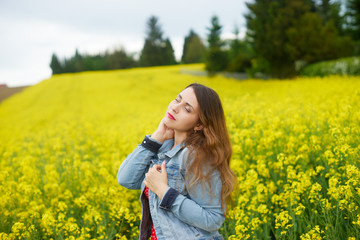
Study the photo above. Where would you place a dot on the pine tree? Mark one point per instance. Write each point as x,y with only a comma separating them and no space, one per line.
156,50
55,65
330,11
169,53
311,41
353,18
216,58
240,54
282,34
194,49
78,61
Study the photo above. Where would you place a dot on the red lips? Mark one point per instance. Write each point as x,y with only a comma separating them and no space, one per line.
171,116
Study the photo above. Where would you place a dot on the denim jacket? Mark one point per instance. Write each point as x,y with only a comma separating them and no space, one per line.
180,214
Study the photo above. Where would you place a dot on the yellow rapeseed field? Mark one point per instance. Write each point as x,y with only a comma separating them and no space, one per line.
296,147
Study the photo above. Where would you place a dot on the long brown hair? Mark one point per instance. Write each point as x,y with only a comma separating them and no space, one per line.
210,146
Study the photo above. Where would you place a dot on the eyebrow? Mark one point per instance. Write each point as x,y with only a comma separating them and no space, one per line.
186,102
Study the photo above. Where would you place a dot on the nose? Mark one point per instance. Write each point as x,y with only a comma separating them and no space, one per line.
175,108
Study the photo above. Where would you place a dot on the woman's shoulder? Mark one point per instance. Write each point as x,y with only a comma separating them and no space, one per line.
182,158
188,155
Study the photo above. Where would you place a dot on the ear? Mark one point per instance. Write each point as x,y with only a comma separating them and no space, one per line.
198,127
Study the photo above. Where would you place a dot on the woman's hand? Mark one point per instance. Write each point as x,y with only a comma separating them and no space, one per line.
163,133
155,180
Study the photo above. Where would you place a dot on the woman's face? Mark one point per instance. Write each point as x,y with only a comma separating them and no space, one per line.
183,112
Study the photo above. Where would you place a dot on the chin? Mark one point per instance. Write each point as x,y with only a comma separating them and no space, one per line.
168,122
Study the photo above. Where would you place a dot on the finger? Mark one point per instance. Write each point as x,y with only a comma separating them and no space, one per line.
153,169
163,167
158,167
166,127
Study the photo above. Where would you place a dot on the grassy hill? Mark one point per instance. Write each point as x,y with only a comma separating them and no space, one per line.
296,154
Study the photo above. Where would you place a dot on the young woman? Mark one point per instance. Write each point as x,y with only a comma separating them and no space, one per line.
183,169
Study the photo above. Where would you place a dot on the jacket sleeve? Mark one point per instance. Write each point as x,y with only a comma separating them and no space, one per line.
132,170
201,209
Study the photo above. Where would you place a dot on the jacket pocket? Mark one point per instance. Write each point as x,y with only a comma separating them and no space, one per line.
175,179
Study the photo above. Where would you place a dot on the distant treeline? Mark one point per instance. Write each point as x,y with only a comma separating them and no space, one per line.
118,59
281,38
156,51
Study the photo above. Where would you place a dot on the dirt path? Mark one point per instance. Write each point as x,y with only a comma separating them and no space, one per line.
6,92
238,76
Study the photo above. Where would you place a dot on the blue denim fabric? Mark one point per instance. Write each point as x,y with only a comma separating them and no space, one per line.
180,214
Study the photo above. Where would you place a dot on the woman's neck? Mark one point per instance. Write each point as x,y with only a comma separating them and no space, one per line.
179,137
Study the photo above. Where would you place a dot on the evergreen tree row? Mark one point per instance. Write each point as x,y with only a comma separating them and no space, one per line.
118,59
283,36
156,51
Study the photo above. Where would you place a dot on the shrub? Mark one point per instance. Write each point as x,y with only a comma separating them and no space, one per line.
341,66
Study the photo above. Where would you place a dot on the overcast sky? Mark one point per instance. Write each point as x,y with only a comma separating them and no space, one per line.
31,30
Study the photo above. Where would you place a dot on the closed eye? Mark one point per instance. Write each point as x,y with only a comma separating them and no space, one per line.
187,105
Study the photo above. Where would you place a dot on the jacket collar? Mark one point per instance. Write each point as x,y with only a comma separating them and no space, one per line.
168,144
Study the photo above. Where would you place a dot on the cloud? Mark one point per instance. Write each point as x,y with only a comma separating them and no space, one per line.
32,30
28,46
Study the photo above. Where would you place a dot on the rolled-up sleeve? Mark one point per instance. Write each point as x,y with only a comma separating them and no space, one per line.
151,144
132,170
168,198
